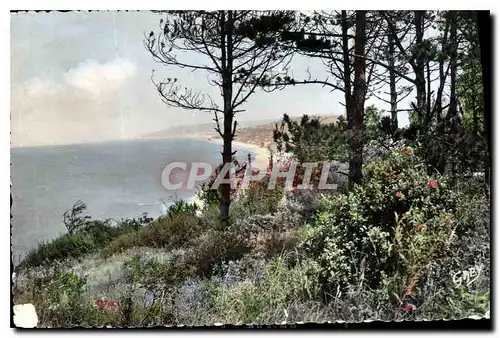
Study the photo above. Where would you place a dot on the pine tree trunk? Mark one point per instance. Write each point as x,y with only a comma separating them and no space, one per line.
347,70
420,68
392,88
227,89
483,29
356,133
453,109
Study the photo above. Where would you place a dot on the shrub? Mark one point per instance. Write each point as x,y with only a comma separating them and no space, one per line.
257,199
65,247
59,300
166,232
174,231
88,239
65,289
181,206
269,235
153,275
394,224
213,248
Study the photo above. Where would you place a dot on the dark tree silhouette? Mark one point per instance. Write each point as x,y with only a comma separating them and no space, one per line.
484,34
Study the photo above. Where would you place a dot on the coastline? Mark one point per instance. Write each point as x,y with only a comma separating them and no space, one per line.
260,154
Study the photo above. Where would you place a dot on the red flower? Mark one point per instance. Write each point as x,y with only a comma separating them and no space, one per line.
407,150
409,307
432,184
106,304
419,227
398,194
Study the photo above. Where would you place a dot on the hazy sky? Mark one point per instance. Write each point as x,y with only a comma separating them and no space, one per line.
82,77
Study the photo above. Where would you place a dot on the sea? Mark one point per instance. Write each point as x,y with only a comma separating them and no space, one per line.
116,180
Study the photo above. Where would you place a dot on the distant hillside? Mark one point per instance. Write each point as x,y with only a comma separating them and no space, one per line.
199,130
258,132
262,135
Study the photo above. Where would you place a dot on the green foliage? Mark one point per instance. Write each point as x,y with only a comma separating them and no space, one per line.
257,200
181,206
154,274
214,247
94,236
418,218
372,123
462,303
209,197
142,273
65,290
205,253
457,153
60,302
393,224
310,140
451,140
74,219
169,232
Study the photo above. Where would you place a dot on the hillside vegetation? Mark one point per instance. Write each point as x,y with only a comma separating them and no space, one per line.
394,248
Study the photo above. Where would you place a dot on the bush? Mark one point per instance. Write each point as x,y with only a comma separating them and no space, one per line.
393,226
166,232
213,248
269,235
155,277
181,206
86,240
257,200
59,300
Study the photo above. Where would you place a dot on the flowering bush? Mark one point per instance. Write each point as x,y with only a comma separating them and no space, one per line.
394,224
104,304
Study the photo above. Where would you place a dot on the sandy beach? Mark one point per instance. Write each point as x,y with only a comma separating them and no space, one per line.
261,154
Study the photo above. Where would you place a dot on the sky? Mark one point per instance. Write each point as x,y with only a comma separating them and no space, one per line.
80,77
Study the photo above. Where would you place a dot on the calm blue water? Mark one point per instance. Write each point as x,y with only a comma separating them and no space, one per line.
116,180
